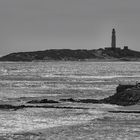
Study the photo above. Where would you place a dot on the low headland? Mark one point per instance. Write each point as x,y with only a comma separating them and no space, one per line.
102,54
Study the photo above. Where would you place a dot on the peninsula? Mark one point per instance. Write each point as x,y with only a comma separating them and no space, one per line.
112,53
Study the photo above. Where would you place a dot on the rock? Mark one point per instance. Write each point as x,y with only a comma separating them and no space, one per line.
119,111
125,95
42,101
16,107
68,100
7,106
128,96
80,100
89,101
122,88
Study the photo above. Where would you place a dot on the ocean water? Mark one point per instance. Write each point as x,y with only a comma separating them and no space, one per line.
21,82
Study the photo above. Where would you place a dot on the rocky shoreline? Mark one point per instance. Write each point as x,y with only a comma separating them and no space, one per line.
125,95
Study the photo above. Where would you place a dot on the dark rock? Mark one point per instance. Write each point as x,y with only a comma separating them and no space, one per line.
14,107
125,95
42,101
119,111
7,106
89,101
69,100
130,96
122,88
80,100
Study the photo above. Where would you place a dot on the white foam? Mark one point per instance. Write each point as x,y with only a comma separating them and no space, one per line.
23,122
90,77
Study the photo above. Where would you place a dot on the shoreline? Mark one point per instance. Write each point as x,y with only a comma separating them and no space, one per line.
89,60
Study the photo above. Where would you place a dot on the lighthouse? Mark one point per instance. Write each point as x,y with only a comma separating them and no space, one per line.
113,41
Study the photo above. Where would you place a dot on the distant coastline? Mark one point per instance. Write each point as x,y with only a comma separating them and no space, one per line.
74,55
112,53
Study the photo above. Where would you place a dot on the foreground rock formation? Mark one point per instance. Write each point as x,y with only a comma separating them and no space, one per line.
125,95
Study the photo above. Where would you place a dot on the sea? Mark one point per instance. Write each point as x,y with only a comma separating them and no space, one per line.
21,82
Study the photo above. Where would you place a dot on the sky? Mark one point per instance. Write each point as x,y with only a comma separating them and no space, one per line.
30,25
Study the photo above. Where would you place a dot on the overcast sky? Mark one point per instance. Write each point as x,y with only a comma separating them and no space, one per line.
28,25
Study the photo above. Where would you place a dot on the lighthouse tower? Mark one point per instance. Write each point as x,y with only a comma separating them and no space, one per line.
113,41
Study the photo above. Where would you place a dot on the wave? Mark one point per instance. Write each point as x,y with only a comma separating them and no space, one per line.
55,85
25,121
91,77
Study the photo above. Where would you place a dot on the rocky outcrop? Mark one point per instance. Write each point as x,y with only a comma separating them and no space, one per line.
122,88
125,95
17,107
118,111
13,107
42,101
80,100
